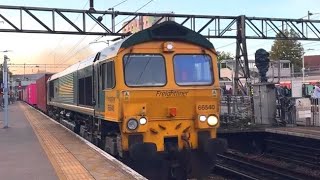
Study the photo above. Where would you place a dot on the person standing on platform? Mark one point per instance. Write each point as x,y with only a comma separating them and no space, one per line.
316,91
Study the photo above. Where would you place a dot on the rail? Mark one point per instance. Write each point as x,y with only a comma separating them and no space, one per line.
259,170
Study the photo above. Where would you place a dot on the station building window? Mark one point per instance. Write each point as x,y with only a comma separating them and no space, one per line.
285,65
223,65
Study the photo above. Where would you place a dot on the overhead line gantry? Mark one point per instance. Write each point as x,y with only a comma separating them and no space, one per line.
222,26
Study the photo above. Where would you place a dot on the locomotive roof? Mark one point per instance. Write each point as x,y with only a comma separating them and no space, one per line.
74,67
166,31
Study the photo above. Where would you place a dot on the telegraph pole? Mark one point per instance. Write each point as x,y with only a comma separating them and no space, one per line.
5,91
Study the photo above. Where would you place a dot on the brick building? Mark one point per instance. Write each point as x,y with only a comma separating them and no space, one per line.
143,22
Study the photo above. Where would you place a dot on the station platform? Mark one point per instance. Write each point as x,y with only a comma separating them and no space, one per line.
36,147
300,131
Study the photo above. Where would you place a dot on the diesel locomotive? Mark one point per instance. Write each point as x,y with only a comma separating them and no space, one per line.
152,95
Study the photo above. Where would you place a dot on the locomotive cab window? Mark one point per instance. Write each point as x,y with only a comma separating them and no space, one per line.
144,70
193,69
108,75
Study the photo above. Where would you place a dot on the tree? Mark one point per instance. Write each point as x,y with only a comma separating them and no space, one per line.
287,50
224,55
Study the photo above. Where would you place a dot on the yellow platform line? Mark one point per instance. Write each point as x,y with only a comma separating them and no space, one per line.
67,167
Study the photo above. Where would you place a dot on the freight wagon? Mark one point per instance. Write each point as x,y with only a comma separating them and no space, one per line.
31,96
42,92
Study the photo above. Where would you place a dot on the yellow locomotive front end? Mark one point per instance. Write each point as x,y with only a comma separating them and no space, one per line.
167,99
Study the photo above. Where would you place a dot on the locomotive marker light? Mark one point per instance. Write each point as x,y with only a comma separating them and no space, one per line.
168,47
143,120
202,118
132,124
212,120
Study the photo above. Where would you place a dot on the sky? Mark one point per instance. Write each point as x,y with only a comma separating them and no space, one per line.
68,49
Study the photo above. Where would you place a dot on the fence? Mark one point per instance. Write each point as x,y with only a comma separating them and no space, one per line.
235,110
315,118
305,111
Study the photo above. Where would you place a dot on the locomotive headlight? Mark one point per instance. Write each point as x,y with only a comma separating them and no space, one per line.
212,120
132,124
143,120
202,118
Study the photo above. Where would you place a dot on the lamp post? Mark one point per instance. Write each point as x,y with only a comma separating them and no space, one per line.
5,91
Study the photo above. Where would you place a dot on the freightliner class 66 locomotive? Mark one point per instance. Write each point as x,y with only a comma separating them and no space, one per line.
152,97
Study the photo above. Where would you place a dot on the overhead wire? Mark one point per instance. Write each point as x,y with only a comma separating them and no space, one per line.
135,12
68,30
79,42
225,45
119,3
64,59
99,37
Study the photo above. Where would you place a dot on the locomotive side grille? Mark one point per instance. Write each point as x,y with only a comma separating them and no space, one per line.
66,89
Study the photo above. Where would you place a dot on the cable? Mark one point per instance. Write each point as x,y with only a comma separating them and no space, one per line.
115,25
225,45
135,12
64,59
76,53
78,43
98,38
68,30
119,3
75,46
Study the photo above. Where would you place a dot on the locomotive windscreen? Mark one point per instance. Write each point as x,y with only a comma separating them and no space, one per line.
144,70
193,69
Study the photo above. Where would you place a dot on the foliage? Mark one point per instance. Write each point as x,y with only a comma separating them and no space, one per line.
224,55
287,50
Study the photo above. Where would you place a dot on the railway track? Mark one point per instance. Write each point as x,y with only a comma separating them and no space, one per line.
297,154
230,173
240,167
